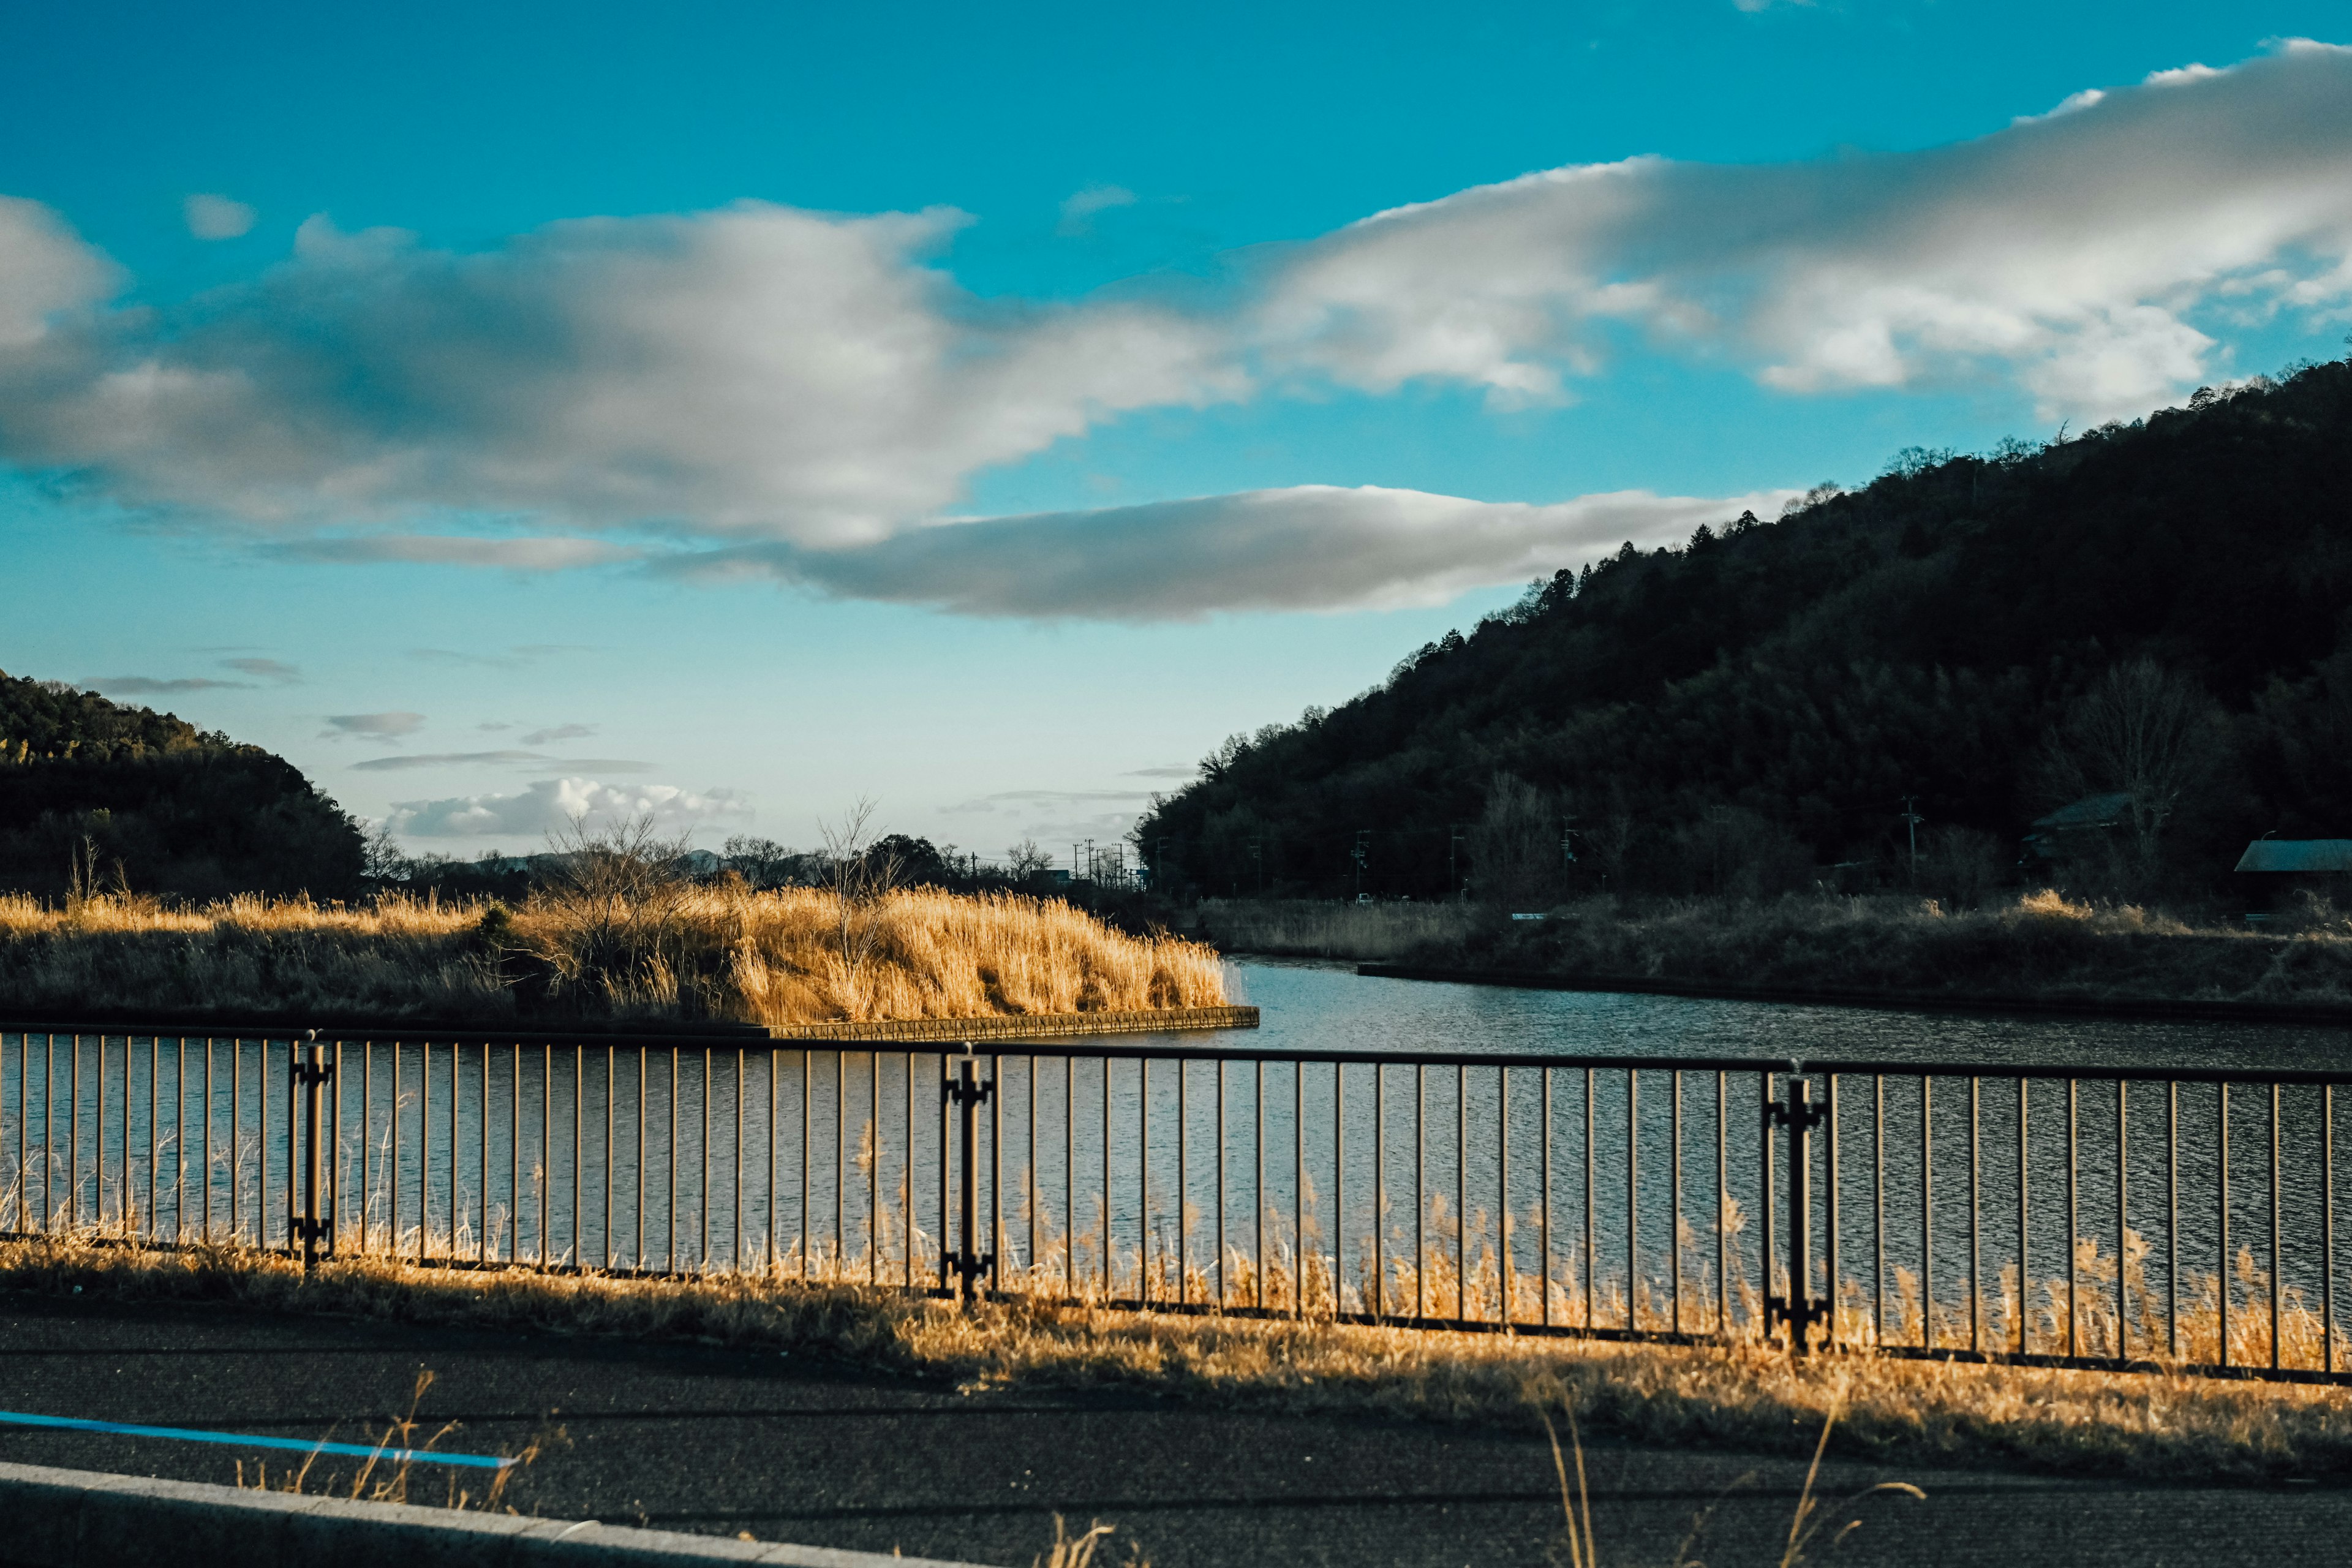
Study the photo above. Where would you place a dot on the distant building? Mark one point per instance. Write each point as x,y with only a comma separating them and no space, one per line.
2297,856
2275,870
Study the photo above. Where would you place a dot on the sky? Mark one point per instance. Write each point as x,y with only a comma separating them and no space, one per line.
726,413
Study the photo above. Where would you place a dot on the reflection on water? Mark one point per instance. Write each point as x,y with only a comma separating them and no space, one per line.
1657,1184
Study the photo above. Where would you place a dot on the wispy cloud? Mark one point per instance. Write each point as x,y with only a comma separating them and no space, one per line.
374,726
559,732
537,761
276,671
1079,208
552,805
151,685
1313,547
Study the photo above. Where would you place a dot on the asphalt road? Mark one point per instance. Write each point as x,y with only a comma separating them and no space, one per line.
701,1438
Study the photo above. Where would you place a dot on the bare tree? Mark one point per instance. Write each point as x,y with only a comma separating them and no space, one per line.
1024,860
1514,845
859,873
617,890
2142,731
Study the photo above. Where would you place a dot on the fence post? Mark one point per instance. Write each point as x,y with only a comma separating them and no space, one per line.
311,1075
1797,1309
961,1086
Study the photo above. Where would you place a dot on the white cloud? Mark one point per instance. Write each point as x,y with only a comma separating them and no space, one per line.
217,217
1313,547
559,732
46,271
537,761
757,370
552,805
808,396
2068,252
151,685
1079,208
374,726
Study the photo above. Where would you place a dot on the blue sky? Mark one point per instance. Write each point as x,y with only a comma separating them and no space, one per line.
729,411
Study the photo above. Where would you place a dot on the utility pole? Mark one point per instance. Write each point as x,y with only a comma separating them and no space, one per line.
1358,855
1911,820
1257,858
1455,890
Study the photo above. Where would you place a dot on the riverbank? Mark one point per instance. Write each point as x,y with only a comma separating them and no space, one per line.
2039,952
1738,1396
795,956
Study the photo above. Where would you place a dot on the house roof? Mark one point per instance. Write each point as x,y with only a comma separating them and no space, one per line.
2297,854
2091,811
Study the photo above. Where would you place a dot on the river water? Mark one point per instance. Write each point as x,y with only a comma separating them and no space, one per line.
1657,1181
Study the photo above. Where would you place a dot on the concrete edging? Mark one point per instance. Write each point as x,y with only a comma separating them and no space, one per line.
87,1518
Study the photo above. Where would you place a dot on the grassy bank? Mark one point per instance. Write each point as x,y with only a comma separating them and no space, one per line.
2039,946
789,956
1736,1395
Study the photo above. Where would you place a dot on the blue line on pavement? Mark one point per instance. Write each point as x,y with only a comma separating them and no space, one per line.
247,1440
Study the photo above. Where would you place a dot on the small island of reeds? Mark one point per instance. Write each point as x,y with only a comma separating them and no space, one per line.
594,949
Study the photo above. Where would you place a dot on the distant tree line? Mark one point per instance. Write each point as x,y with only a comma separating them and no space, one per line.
1884,687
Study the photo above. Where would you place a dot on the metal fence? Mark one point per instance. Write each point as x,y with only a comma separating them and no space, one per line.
2066,1216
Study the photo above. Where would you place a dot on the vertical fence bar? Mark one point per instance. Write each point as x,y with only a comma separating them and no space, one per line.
1722,1191
73,1140
1976,1215
612,1157
482,1249
808,1076
1927,1210
1674,1219
1766,1188
1420,1190
1503,1189
1878,1208
669,1224
1461,1193
1224,1298
1183,1242
1143,1226
840,1170
873,1168
1106,1179
2221,1204
2327,1229
179,1135
423,1148
2024,1181
1339,1181
703,1191
995,1173
2122,1212
735,1234
2275,1284
1544,1211
1632,1193
1379,1190
911,1157
335,1144
235,1137
154,1145
1592,1210
2172,1225
2074,1315
1832,1275
1070,1177
1298,1186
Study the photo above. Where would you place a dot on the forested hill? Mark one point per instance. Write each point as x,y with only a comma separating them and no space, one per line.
1749,711
88,787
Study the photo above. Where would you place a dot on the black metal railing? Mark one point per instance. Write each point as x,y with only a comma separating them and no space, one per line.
2077,1216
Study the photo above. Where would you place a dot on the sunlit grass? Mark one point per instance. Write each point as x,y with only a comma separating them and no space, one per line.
725,952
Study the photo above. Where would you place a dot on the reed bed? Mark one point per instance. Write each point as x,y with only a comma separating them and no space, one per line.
1299,928
688,952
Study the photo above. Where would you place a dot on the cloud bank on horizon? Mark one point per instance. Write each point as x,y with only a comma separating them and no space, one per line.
765,390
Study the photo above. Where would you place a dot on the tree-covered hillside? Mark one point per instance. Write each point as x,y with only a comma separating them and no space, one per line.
93,790
2155,610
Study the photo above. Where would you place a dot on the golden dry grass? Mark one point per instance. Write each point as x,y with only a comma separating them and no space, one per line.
724,953
1736,1395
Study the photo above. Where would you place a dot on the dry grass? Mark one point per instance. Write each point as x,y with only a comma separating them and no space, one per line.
1736,1395
725,953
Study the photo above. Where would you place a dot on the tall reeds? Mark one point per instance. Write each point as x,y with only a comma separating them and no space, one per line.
667,950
